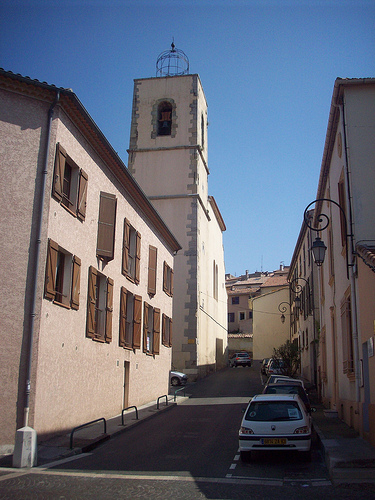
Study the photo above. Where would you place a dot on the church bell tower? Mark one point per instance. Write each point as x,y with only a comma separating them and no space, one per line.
168,159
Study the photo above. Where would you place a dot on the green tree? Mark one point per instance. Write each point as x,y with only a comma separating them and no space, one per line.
290,355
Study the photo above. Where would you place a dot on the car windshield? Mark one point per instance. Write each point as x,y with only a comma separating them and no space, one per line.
272,411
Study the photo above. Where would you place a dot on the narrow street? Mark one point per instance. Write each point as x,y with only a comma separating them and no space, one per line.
190,451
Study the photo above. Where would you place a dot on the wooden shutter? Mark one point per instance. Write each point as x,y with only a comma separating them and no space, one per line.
125,247
109,311
137,324
49,285
91,325
106,226
165,277
172,276
82,195
163,331
170,332
76,282
156,343
145,326
58,176
152,260
123,297
138,258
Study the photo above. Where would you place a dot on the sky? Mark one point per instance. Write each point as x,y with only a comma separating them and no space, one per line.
267,67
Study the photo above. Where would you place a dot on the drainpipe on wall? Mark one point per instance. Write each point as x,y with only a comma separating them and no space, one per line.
25,443
352,269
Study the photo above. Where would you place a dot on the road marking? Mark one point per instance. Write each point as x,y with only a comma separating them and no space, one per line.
233,466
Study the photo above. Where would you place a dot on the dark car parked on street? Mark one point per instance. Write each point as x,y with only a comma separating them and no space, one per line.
292,388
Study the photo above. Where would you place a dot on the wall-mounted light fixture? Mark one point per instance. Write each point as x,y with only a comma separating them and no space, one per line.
318,247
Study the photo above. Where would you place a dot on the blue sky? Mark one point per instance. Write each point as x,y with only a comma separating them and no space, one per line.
267,68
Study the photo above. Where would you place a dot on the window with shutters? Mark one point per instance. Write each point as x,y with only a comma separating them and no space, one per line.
99,306
347,336
131,253
105,245
166,331
69,185
63,275
151,329
130,319
167,279
152,262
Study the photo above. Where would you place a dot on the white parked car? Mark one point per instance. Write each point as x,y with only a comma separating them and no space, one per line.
275,422
177,378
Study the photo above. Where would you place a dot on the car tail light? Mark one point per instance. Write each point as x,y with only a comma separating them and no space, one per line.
302,430
246,430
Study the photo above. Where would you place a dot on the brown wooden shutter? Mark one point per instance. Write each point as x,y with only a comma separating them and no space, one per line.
156,348
58,176
163,332
109,311
165,277
49,285
123,296
152,260
76,282
137,322
106,226
145,326
125,248
82,195
172,276
91,325
170,332
138,258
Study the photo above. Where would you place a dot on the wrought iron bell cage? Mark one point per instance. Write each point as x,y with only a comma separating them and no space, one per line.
172,62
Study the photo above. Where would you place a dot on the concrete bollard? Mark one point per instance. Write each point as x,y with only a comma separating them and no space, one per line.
25,448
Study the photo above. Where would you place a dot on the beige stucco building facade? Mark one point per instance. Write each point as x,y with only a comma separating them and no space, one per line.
95,336
269,332
168,156
346,278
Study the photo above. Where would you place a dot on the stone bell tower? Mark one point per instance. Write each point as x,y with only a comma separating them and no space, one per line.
168,158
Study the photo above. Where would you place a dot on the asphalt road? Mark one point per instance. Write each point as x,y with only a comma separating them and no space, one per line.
189,451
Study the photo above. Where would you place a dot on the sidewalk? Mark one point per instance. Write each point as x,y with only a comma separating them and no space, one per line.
84,440
349,458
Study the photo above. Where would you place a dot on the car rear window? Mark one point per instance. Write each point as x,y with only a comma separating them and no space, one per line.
273,411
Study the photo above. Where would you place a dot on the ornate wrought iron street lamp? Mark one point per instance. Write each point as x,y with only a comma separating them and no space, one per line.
318,247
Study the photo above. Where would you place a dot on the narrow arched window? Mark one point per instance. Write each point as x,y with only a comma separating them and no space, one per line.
165,118
202,130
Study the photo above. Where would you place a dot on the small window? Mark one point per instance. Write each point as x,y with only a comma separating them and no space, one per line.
167,331
69,184
63,274
242,316
151,329
235,300
99,307
130,320
164,118
131,253
105,245
168,280
152,262
230,317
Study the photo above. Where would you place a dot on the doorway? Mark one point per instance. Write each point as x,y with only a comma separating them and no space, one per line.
126,384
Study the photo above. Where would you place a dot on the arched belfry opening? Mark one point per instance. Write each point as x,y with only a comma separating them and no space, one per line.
172,62
165,118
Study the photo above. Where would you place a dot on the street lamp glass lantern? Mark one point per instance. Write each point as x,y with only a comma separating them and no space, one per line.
282,317
318,250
